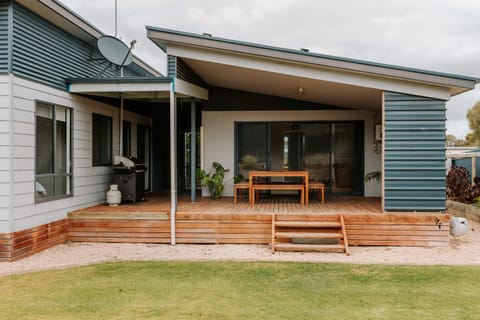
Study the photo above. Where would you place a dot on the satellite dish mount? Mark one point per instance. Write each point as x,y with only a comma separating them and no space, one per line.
115,52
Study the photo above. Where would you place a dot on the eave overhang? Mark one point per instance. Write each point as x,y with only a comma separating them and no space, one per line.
154,89
177,43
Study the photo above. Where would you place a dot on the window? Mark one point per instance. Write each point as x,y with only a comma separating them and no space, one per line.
53,175
101,140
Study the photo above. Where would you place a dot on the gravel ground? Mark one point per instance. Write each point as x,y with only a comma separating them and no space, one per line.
462,251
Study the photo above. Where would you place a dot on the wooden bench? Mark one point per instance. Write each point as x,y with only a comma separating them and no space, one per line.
320,186
239,186
280,186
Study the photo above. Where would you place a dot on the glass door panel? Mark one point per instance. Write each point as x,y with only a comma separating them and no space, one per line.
252,148
315,146
347,161
143,151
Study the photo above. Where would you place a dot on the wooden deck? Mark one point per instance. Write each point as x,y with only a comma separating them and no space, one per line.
220,221
160,204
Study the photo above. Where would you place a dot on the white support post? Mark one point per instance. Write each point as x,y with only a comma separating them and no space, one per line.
120,126
193,151
173,161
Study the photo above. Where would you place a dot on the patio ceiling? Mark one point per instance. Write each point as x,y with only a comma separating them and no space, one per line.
286,86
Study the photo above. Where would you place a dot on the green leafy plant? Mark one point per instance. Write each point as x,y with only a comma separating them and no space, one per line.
213,179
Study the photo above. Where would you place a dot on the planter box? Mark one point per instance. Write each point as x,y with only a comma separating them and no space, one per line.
463,210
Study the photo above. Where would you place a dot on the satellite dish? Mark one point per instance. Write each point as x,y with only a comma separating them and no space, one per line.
115,51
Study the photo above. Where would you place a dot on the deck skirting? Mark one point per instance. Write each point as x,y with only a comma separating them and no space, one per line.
395,229
20,244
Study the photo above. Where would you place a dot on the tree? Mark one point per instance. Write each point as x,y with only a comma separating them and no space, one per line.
473,116
451,140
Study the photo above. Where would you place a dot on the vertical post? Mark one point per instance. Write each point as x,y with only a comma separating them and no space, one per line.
474,168
383,153
173,161
193,151
120,126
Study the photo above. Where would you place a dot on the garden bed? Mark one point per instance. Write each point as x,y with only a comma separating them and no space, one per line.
467,211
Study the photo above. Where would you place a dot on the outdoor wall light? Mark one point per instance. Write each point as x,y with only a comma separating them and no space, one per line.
300,91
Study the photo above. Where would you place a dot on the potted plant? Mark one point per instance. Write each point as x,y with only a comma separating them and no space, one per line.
213,180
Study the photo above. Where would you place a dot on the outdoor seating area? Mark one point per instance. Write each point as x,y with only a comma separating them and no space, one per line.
301,184
282,184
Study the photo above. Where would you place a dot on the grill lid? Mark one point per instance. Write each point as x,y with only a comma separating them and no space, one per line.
128,161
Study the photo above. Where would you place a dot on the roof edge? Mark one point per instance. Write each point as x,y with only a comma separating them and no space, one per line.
208,37
120,80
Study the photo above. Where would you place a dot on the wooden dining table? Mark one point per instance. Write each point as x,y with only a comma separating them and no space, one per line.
253,175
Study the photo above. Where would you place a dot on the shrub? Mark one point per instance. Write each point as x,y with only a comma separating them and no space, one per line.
459,187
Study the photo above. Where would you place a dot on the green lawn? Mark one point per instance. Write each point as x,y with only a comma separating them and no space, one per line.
243,290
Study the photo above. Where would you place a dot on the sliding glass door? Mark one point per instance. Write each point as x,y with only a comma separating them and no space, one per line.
331,151
251,148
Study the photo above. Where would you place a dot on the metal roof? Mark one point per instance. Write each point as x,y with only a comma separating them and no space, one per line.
63,17
162,36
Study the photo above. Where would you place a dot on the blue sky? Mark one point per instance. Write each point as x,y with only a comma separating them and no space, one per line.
439,35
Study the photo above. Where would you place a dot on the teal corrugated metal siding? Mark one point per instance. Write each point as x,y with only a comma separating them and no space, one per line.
414,153
172,66
45,53
467,163
4,36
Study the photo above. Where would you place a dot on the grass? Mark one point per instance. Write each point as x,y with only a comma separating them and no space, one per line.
243,290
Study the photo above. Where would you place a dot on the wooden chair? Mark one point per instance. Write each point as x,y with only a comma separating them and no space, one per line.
239,186
320,186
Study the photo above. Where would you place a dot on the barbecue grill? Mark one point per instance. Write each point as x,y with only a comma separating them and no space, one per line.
130,177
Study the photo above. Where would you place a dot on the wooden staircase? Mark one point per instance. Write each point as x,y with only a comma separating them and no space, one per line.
321,234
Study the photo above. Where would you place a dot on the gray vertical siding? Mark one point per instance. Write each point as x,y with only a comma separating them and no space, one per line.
414,153
42,52
4,35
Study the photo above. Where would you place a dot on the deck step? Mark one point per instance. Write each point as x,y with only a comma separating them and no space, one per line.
309,247
308,224
309,235
321,236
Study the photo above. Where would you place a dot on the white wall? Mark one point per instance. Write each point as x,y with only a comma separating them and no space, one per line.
219,142
5,154
89,183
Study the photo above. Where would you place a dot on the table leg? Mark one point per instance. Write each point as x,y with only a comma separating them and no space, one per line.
306,190
250,190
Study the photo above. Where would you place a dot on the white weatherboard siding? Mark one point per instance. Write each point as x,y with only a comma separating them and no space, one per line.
5,154
89,183
219,136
